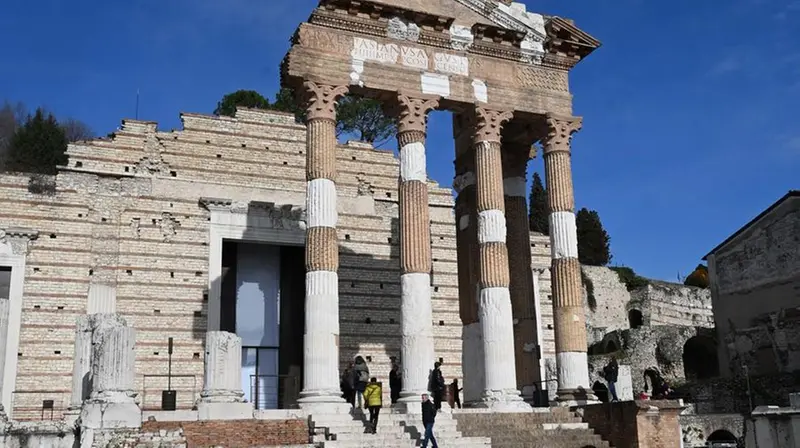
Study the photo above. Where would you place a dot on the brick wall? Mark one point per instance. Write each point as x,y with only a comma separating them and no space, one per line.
637,424
236,433
140,191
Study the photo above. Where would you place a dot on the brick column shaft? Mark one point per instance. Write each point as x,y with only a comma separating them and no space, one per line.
467,248
494,313
321,339
526,331
568,313
416,349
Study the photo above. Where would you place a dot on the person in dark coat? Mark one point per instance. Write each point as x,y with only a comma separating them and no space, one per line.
611,372
455,392
395,383
436,385
347,386
428,419
361,378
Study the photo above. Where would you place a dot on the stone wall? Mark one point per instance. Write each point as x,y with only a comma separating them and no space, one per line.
756,274
697,428
124,227
637,424
236,433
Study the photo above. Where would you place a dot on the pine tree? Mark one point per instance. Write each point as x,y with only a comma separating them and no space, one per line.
38,146
593,240
537,209
244,98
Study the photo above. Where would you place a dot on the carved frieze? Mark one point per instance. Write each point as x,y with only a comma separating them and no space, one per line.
399,28
560,131
540,78
261,214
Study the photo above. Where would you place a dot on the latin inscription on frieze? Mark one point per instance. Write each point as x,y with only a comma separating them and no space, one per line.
414,57
330,42
370,50
451,63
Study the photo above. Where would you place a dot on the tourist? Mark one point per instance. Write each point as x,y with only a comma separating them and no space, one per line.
428,418
455,392
361,376
611,373
395,382
347,385
660,388
373,400
436,385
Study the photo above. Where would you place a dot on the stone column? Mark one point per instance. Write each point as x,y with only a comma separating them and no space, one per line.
222,382
526,346
417,349
321,339
113,363
568,313
82,364
468,260
494,310
5,307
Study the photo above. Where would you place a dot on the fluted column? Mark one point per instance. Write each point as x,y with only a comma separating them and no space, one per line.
468,260
321,339
5,308
526,346
417,349
494,310
113,362
81,363
222,382
568,313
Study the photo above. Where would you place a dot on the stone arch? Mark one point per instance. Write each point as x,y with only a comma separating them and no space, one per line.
635,318
611,347
700,358
722,436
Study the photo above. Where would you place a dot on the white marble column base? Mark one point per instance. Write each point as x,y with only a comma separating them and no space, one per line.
104,415
503,401
325,407
225,411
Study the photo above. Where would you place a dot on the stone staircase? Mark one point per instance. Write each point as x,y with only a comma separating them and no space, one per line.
396,429
543,428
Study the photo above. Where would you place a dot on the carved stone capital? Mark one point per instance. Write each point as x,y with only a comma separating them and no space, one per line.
15,240
320,100
559,133
489,124
412,113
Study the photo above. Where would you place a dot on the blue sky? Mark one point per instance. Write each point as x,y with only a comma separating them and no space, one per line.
691,121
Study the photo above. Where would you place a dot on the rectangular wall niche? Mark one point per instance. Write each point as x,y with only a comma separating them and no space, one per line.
5,282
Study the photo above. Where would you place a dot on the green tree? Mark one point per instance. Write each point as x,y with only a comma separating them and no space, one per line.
286,101
593,240
38,146
698,278
538,214
364,118
243,98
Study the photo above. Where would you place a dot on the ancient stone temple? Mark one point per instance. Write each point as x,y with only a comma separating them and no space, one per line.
269,255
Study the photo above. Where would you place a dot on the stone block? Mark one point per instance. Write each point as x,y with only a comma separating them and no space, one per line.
224,411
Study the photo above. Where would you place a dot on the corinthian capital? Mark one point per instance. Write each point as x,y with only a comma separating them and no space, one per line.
489,124
320,100
559,133
412,113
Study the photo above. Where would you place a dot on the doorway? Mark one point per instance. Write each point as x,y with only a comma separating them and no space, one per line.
262,301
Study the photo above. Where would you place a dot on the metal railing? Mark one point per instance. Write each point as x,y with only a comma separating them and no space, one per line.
274,391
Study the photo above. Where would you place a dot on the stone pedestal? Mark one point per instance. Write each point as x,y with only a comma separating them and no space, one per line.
111,403
222,397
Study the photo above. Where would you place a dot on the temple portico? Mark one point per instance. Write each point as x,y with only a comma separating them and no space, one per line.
507,93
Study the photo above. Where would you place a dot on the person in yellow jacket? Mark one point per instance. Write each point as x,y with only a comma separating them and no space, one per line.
373,400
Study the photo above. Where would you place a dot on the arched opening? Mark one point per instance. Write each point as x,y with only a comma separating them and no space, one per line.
700,358
635,319
600,391
722,438
611,347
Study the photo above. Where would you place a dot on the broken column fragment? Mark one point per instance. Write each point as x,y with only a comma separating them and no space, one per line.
222,397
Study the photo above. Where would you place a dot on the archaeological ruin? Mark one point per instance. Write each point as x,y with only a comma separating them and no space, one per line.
209,285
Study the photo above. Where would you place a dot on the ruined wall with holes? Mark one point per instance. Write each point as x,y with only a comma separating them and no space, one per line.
126,211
